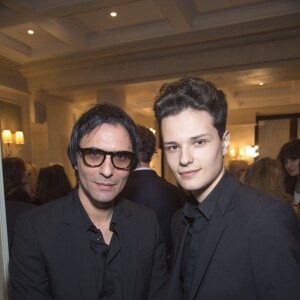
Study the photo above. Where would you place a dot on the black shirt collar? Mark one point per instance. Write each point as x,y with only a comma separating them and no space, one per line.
207,206
87,222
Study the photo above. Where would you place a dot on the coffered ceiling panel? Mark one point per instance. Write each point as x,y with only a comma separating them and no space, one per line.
78,49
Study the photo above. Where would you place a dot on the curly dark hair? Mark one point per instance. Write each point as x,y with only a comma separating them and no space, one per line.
194,93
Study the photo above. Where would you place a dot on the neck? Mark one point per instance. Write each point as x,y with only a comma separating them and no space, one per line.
142,164
201,194
96,210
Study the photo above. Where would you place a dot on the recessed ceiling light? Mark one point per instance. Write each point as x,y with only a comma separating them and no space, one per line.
261,83
113,14
30,31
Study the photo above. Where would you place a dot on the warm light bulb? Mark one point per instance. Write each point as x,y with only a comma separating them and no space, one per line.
232,152
30,31
19,137
113,14
241,152
7,136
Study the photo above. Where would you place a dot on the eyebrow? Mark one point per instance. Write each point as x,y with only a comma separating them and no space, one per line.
192,138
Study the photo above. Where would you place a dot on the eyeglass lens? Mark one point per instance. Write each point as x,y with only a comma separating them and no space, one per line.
95,158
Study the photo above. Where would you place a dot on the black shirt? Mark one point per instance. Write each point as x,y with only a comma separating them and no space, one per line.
198,216
107,257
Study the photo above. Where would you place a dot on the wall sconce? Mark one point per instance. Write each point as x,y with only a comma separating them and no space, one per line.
8,138
19,138
244,153
241,152
232,153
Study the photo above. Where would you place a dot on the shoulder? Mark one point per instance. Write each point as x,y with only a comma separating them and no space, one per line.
138,217
130,207
264,210
257,198
19,195
237,195
14,209
135,213
18,205
49,212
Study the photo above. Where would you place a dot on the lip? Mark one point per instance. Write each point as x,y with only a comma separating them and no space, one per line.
105,185
187,173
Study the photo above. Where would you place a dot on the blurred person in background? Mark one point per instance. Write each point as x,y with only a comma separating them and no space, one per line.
289,156
32,171
15,179
17,200
237,168
52,183
267,175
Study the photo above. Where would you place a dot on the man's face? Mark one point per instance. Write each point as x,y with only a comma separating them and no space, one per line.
194,151
102,184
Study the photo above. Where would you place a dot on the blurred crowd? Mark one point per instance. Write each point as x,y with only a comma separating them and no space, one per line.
279,177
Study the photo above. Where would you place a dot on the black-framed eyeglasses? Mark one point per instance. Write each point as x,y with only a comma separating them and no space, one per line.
94,157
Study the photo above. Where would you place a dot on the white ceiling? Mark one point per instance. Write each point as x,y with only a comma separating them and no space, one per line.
163,35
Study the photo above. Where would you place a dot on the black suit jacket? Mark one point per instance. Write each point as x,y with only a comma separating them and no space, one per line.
251,249
147,188
51,256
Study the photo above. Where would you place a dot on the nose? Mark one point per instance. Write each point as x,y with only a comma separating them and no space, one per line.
107,168
185,157
288,163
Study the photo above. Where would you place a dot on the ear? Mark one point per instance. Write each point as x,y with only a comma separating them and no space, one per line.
226,142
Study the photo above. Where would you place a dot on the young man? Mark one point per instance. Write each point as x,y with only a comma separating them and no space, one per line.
92,244
145,187
232,242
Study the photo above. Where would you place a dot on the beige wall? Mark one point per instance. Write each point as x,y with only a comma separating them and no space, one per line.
50,138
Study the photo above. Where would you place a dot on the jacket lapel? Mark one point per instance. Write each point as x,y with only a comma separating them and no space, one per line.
78,249
173,285
217,226
214,232
129,254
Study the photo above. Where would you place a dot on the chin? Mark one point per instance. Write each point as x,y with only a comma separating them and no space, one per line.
190,186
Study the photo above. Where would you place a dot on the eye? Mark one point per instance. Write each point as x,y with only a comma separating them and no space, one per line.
121,156
200,142
93,153
171,148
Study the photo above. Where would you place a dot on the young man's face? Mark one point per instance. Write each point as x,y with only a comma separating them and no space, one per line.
102,184
194,151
